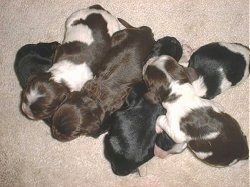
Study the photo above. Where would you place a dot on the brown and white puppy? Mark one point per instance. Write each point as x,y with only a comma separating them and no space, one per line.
212,135
106,92
87,40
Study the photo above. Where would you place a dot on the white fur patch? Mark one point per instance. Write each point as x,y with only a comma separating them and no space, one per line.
203,155
112,22
200,87
33,95
236,48
233,162
177,148
73,75
210,136
81,33
225,84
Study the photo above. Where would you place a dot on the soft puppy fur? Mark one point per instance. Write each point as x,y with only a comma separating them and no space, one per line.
86,42
212,135
131,136
219,66
33,58
107,92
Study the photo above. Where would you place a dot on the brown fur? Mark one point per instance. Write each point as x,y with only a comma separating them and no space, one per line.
55,94
120,71
76,52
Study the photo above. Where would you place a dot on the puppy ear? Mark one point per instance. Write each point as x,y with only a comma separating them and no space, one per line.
93,130
118,37
192,74
151,97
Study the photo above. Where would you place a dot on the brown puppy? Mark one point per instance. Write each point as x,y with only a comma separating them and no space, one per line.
107,92
87,40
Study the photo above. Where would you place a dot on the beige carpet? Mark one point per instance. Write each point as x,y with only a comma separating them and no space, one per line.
28,154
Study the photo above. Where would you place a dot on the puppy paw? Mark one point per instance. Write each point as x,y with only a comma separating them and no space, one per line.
160,122
160,152
158,129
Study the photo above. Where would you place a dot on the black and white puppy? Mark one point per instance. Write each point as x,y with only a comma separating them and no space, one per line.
131,138
32,59
220,66
212,135
86,42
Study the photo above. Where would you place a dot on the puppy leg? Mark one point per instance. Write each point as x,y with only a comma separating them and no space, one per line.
161,121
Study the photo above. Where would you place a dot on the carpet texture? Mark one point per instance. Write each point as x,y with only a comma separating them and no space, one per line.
29,156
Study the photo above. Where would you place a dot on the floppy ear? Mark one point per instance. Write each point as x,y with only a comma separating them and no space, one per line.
118,37
93,130
152,97
192,74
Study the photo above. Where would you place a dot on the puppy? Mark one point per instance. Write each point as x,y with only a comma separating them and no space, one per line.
212,135
131,138
86,42
131,129
32,59
220,66
107,92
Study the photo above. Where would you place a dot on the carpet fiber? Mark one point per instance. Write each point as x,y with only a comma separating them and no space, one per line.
29,156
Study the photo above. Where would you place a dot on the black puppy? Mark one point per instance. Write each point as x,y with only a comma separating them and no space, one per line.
32,59
131,137
219,66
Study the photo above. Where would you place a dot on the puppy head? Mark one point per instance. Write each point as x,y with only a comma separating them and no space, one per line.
47,49
79,115
42,96
158,73
167,46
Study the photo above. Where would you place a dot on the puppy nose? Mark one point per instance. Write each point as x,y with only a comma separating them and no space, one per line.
27,111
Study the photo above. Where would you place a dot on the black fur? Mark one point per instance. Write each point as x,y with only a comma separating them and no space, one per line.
33,58
208,59
167,46
131,137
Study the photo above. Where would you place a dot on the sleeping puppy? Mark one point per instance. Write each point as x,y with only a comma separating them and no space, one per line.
83,113
32,59
86,42
131,136
220,66
212,135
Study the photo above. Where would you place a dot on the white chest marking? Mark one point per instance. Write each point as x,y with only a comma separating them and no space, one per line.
73,75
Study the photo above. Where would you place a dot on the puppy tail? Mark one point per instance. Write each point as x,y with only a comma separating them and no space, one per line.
125,24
